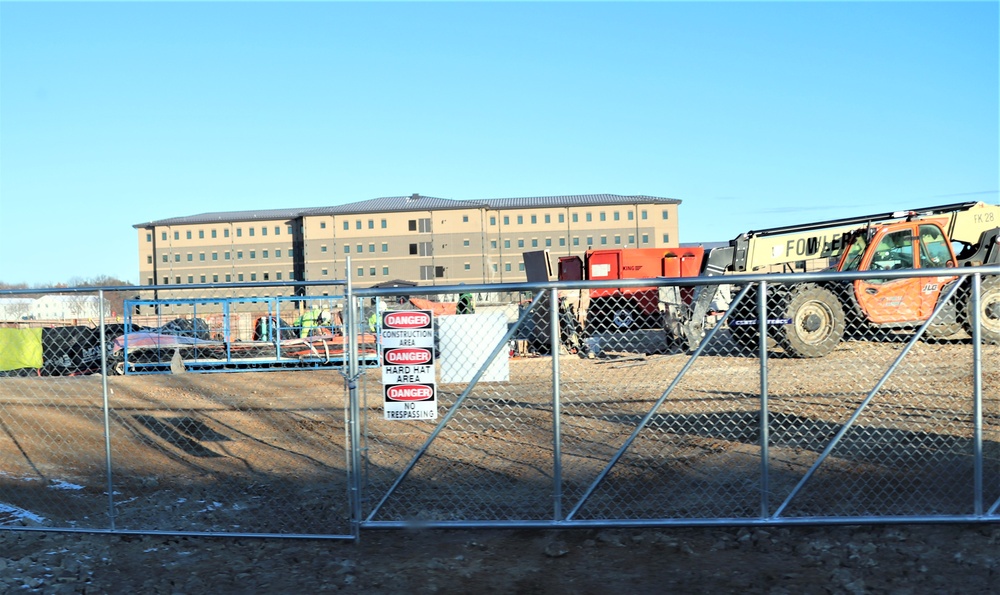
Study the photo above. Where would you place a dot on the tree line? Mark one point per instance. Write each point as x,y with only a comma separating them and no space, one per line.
115,298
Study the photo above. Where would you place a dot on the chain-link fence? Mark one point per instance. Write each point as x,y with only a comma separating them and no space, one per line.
547,404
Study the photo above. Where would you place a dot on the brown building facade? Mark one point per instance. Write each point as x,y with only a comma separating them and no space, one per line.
430,241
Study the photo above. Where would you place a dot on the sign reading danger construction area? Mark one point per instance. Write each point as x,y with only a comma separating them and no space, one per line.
408,370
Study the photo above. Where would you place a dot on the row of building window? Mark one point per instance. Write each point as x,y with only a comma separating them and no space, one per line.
225,255
213,233
226,278
575,217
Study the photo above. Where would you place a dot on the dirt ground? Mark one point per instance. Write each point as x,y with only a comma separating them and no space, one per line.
845,559
185,440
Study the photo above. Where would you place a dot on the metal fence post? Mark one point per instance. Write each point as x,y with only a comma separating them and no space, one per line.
764,416
977,397
354,408
107,416
556,427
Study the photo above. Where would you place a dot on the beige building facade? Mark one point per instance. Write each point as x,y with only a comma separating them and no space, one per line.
429,241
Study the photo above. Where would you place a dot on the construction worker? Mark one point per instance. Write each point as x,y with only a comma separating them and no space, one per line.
307,322
466,304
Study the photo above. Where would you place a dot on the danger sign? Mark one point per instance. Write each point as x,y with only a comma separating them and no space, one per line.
408,371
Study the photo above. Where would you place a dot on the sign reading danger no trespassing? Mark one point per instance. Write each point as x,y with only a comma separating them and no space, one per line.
407,360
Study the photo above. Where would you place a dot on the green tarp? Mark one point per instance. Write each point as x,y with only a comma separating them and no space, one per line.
20,348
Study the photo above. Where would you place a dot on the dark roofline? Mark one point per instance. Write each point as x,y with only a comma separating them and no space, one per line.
414,202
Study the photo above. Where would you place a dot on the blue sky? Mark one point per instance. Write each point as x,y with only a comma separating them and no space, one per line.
752,114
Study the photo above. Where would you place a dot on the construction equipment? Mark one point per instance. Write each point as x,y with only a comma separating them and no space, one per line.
626,308
810,319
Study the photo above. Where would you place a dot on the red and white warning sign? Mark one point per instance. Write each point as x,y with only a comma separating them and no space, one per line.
408,370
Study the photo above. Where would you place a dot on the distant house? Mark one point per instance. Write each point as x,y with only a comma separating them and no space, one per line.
53,307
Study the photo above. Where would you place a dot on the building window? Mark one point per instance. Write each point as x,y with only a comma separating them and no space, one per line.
468,267
225,233
277,276
385,247
630,215
604,240
201,256
548,242
493,244
214,234
323,272
357,224
277,228
562,241
267,277
188,234
520,219
277,253
360,249
264,254
645,238
229,278
253,276
165,259
215,278
618,240
520,243
590,240
631,239
506,267
576,218
149,280
239,255
291,252
347,249
225,255
665,215
361,271
465,243
642,215
371,224
177,235
562,218
617,216
239,277
384,224
413,249
202,279
263,231
506,243
239,232
149,237
149,259
371,271
520,266
251,232
190,257
166,280
347,226
534,219
322,248
178,280
603,216
201,234
590,217
493,221
371,248
322,225
548,218
576,241
164,236
666,238
253,255
385,271
534,243
465,218
506,220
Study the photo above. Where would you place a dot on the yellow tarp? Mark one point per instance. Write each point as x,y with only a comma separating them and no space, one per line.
20,348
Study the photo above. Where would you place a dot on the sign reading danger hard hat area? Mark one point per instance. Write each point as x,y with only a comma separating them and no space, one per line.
408,370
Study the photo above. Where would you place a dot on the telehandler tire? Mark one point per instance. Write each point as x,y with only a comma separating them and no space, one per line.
989,311
817,322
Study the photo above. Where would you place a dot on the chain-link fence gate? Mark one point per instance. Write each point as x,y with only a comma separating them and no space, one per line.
556,404
626,426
